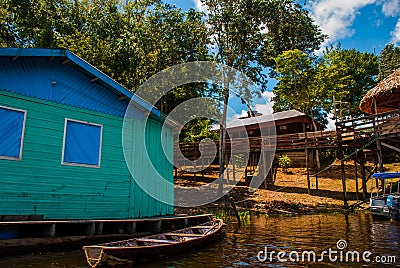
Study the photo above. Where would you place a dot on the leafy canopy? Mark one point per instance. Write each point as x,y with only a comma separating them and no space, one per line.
306,83
389,60
310,84
128,40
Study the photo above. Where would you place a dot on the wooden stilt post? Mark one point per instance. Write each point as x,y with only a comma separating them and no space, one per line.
341,157
234,167
245,173
378,142
264,168
308,173
227,167
316,170
344,184
202,168
356,174
195,159
363,176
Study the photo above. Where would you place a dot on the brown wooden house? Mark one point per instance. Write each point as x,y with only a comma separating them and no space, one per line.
287,126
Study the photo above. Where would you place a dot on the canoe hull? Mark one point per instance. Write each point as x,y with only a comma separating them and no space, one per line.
139,253
154,246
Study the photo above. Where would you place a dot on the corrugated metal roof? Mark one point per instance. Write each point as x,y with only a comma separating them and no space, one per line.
67,57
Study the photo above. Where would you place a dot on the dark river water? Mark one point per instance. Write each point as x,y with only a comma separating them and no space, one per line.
295,238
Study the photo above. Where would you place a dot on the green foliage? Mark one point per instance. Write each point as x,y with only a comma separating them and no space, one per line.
307,83
389,60
128,40
247,35
284,162
132,40
244,215
361,68
221,214
310,84
7,38
197,130
289,26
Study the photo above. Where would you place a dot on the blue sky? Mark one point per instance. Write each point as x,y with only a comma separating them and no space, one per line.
366,25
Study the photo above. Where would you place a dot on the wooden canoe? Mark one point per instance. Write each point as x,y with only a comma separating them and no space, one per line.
153,245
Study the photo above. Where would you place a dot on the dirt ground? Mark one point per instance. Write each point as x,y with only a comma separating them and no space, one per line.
289,194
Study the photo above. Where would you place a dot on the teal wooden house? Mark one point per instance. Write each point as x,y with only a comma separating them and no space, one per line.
61,153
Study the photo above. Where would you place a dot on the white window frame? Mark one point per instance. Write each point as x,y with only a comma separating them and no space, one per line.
65,136
22,134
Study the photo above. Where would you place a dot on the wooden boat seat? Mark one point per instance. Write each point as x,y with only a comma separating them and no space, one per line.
160,241
181,234
202,227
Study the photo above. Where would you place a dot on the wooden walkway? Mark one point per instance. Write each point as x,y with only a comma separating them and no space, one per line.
279,143
354,133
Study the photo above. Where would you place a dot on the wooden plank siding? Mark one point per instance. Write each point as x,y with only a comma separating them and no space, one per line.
40,185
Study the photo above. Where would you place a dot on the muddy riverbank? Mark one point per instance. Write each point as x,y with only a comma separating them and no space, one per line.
290,194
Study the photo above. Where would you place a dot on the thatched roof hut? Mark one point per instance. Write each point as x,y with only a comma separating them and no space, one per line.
386,94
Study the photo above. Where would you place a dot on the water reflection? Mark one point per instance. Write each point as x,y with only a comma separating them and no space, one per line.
240,245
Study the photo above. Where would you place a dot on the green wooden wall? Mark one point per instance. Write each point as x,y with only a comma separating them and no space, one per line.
40,185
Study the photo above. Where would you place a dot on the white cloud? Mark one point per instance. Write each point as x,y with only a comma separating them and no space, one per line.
391,8
266,107
337,17
199,6
331,123
396,34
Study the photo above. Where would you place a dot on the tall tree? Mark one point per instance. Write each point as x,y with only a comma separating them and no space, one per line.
7,38
247,34
362,69
347,74
128,40
309,84
389,60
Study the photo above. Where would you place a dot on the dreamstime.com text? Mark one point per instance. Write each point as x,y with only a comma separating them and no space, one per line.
339,254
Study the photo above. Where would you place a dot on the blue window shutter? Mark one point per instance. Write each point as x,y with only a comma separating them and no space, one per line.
11,130
82,143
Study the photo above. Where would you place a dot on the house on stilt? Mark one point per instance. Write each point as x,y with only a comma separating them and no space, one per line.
61,149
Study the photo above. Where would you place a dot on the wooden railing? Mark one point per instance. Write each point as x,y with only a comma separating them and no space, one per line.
298,141
369,127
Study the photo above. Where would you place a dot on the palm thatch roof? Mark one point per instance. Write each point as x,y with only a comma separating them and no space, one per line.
386,94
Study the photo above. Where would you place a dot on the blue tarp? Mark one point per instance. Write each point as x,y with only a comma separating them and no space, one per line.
386,175
82,143
11,125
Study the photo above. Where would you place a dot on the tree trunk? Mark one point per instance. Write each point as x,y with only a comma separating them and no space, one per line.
223,134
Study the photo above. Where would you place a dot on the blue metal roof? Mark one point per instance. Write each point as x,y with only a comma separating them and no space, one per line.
386,175
91,90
